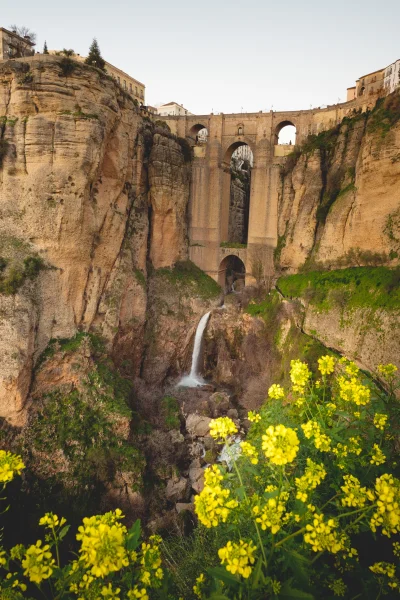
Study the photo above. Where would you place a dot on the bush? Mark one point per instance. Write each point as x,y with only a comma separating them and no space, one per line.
3,150
186,149
186,274
67,66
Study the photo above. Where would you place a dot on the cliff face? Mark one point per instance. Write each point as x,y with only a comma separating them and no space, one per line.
79,185
341,192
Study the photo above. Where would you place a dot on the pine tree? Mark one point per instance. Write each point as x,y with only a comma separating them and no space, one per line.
45,50
94,57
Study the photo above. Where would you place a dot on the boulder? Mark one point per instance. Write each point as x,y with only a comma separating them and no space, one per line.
197,425
177,489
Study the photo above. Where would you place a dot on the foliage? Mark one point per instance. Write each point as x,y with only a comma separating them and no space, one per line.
170,412
363,287
45,49
4,144
312,502
13,278
94,57
67,52
162,125
67,66
186,274
186,149
236,245
385,115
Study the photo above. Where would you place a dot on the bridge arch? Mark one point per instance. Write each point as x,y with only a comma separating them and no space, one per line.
198,132
288,128
231,273
233,146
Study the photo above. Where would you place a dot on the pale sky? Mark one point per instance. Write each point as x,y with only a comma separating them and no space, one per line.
226,56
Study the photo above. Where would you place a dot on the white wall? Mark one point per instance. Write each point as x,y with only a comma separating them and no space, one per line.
392,76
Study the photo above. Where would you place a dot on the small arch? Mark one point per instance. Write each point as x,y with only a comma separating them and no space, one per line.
199,132
232,274
285,133
240,129
233,147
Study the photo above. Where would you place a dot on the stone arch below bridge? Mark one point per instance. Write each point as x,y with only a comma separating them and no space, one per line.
235,208
199,133
232,274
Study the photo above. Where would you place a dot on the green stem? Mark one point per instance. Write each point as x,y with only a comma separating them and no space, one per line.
288,537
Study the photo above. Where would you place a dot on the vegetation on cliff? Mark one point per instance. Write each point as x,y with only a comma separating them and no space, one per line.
190,280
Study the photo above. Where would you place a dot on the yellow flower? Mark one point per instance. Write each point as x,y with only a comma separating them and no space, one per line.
299,374
151,571
276,392
380,421
353,391
377,457
213,504
396,549
3,558
197,588
253,417
271,514
326,364
222,428
51,521
280,444
388,371
138,593
313,475
312,431
387,515
352,369
109,592
355,495
10,465
384,568
250,451
323,535
38,562
238,558
102,540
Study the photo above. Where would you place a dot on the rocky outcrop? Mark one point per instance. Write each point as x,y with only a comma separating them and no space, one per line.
340,192
77,182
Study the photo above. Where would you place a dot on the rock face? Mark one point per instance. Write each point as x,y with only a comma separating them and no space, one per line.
343,193
239,207
76,187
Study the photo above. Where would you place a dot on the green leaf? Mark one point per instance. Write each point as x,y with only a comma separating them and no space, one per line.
224,575
218,596
298,564
240,492
133,536
289,592
63,532
257,574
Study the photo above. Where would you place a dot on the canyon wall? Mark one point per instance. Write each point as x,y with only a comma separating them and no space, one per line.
94,197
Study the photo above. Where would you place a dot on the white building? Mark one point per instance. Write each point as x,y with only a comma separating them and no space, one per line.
172,109
392,77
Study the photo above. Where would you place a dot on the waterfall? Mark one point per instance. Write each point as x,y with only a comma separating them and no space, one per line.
194,378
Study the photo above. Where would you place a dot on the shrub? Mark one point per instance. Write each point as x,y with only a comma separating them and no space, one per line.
186,274
4,144
67,66
186,149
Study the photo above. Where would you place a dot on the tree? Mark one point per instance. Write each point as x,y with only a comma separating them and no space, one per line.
94,58
45,50
20,48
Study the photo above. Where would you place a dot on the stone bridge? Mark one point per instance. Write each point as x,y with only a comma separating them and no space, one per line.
211,178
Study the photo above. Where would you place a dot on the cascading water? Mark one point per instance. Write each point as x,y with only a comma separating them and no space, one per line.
194,379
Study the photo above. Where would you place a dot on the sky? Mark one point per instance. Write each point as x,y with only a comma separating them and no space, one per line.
226,56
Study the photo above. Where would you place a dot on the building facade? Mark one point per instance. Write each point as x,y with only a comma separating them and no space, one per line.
134,87
172,109
392,77
14,46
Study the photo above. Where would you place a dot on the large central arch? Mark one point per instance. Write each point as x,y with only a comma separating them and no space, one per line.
235,206
231,273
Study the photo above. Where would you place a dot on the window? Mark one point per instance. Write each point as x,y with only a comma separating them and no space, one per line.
130,87
119,79
141,93
136,90
124,84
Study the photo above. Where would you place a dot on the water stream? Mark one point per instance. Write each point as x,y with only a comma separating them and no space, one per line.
194,379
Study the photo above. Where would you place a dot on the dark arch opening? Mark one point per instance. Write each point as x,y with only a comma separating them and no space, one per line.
285,133
199,133
239,157
232,274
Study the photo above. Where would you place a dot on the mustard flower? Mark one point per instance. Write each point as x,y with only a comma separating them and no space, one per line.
380,421
276,392
16,583
353,391
253,416
276,586
387,515
250,451
238,558
197,588
109,592
313,475
352,369
326,364
222,428
102,540
383,568
51,521
299,375
280,444
322,535
271,514
355,495
151,571
10,465
338,587
3,557
312,430
137,594
38,562
388,371
377,457
213,504
396,549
